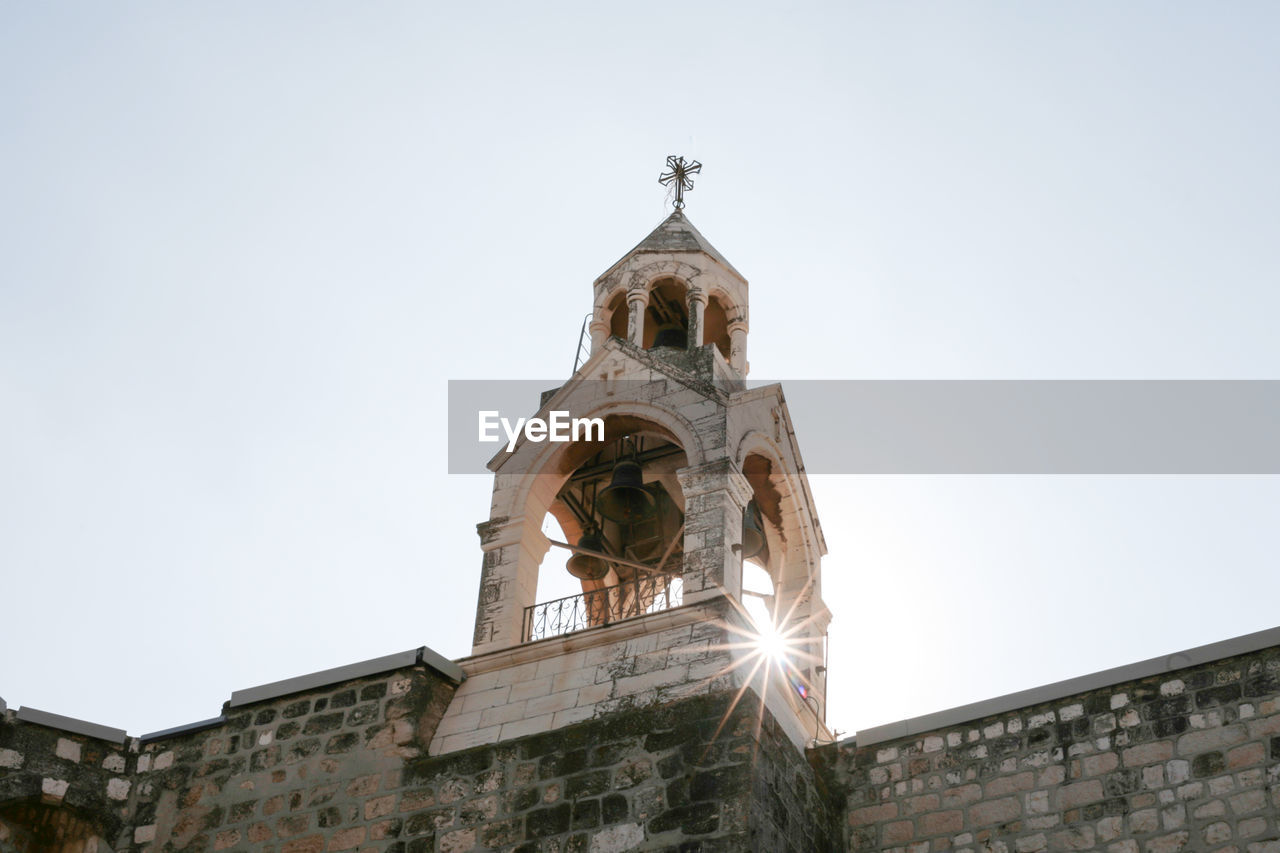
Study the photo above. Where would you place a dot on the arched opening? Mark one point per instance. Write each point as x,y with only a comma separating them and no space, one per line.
34,826
759,596
762,519
778,582
716,326
666,320
554,580
616,312
622,509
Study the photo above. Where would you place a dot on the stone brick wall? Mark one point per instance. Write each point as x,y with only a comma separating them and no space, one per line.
304,772
346,767
1185,761
692,775
60,787
565,680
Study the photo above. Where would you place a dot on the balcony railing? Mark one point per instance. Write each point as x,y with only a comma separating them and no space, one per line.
602,606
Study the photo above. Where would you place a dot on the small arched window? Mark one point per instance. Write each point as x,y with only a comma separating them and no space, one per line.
715,326
667,317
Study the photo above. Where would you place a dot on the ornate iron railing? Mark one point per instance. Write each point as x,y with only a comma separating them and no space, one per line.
605,606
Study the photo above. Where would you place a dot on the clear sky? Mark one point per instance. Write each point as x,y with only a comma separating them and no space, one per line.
243,246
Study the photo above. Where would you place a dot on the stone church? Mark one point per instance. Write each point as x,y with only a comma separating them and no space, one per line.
671,704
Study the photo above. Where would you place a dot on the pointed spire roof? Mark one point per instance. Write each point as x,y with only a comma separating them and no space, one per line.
676,234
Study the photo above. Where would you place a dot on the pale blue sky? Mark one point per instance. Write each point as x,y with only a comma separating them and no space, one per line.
243,247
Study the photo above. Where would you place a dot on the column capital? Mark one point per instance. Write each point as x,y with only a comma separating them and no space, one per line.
500,532
714,476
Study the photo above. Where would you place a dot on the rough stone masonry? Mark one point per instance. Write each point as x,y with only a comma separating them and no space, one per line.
1188,759
345,767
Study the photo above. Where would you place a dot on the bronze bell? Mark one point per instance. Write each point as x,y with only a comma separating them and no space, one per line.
626,499
585,566
671,335
753,541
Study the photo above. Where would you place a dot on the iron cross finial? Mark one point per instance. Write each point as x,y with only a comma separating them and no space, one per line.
679,173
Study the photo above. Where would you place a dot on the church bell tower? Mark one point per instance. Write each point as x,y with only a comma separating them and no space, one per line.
694,536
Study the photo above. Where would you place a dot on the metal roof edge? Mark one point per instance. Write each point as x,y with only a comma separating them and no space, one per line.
350,671
1071,686
184,729
71,724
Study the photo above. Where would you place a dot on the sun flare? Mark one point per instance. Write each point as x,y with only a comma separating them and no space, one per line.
770,643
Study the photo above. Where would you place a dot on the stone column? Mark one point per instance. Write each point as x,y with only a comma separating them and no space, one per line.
599,333
715,494
637,300
738,346
513,550
697,317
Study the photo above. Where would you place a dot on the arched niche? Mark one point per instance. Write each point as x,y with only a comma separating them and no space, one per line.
759,469
667,312
715,326
789,568
793,552
615,314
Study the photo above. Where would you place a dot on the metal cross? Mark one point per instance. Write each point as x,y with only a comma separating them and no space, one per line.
678,173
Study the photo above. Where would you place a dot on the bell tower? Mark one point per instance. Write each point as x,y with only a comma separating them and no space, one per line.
692,526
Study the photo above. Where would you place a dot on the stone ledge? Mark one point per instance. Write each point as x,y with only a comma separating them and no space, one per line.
184,729
71,724
1062,689
324,678
600,635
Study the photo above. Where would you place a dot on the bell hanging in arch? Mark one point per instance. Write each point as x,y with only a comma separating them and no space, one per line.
753,541
585,566
626,500
671,335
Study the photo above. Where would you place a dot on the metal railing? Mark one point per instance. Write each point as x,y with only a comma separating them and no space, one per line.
584,344
602,606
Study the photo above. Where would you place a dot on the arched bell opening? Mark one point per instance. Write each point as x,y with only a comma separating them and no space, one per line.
666,319
615,314
716,326
782,567
554,580
762,518
620,509
627,501
759,596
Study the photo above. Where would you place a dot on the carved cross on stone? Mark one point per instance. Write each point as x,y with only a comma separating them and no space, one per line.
679,173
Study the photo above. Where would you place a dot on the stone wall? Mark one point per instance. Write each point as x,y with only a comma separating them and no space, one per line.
61,788
346,767
564,680
694,775
306,771
1189,760
1186,760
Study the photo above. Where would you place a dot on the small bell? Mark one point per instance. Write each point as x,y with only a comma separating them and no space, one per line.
753,541
626,499
585,566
